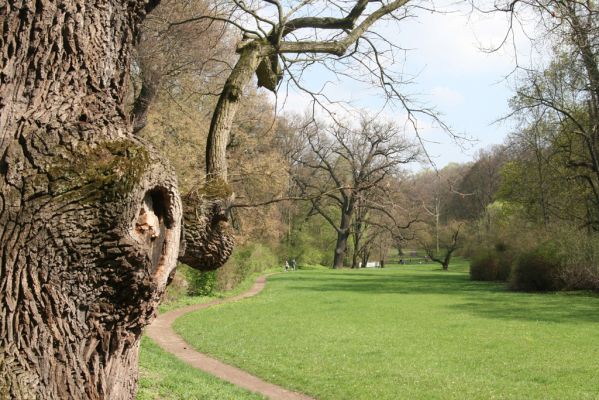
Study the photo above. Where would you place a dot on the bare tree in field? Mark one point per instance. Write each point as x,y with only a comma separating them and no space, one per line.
341,166
365,236
440,248
387,214
90,215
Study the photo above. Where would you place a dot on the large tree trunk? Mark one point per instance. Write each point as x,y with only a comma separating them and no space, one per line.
355,256
342,236
141,105
340,249
225,111
89,215
357,236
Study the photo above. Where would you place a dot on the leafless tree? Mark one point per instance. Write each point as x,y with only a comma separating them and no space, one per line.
340,166
441,250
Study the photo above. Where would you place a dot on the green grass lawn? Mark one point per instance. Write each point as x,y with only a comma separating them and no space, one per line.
410,332
162,376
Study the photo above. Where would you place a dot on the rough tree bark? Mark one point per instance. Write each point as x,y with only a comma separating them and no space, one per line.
90,215
250,57
343,233
209,238
141,106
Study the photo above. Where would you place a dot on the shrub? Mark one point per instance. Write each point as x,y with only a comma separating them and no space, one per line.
246,260
580,255
491,265
191,282
484,266
506,260
572,256
201,283
536,270
579,277
314,256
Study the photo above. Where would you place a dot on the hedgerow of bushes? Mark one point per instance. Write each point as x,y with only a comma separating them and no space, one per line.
536,270
491,265
562,259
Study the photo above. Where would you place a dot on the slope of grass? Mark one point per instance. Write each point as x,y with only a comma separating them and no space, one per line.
410,332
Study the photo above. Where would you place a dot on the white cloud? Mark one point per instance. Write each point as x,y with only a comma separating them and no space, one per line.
454,43
446,97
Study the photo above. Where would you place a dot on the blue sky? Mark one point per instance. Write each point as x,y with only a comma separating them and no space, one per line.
465,84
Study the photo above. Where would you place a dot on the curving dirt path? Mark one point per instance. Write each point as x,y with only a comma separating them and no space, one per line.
162,333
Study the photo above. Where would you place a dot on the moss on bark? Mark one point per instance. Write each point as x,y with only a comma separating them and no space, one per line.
102,172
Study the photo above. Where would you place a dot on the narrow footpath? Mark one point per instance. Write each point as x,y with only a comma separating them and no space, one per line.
161,332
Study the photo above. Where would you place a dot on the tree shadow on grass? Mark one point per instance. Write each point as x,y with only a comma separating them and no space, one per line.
426,282
556,308
482,299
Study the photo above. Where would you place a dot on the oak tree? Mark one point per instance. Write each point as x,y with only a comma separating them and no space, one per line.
339,167
90,215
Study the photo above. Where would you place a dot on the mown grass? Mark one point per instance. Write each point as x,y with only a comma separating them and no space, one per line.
164,377
411,332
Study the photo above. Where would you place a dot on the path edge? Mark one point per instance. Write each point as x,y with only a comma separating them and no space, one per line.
162,333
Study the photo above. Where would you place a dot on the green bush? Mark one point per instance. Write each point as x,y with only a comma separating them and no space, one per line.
201,283
484,266
314,256
571,262
536,270
245,260
491,265
192,282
